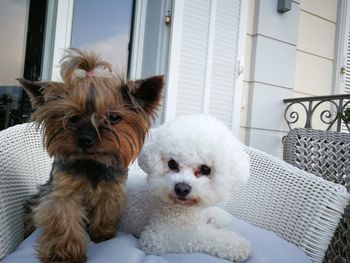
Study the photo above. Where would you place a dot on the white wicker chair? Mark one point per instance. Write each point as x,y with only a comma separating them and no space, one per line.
325,154
299,207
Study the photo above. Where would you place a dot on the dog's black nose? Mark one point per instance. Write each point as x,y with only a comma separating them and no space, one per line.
182,189
85,141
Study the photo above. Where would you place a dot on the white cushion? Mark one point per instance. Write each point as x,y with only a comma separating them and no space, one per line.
267,247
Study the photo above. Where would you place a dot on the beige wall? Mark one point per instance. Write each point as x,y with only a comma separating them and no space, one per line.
270,48
315,52
315,47
313,42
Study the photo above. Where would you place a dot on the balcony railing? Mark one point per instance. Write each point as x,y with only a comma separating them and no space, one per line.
333,112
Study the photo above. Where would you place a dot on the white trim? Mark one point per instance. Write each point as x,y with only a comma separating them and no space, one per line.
209,67
137,39
163,49
63,32
239,67
174,60
340,45
49,41
165,40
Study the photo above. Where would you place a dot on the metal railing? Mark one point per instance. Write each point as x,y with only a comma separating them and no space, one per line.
333,111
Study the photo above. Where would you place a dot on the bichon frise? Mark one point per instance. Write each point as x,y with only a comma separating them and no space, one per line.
192,164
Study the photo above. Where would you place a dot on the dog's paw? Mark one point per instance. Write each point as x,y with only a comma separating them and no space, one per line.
230,246
98,237
237,249
217,216
151,243
59,259
240,251
152,248
55,250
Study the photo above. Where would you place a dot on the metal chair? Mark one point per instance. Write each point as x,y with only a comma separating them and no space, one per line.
327,155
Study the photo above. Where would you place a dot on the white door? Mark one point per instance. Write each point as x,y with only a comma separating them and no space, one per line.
206,52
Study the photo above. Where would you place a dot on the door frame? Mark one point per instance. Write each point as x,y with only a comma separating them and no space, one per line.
342,31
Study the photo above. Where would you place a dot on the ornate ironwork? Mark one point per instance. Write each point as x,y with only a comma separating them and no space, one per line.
336,116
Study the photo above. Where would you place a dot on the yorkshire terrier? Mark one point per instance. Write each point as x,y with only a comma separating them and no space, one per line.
94,124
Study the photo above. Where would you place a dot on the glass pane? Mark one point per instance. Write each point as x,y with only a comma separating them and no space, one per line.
13,29
103,27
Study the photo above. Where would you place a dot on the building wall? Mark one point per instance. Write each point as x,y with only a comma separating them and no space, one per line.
269,73
315,53
287,55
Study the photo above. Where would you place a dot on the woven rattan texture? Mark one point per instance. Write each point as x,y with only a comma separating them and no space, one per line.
325,154
298,206
301,208
23,165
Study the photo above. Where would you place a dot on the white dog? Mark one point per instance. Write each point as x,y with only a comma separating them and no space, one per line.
192,163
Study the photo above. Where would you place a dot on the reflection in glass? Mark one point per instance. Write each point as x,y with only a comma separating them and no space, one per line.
13,29
103,27
9,105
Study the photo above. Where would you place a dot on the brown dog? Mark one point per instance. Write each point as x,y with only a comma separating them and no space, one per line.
94,125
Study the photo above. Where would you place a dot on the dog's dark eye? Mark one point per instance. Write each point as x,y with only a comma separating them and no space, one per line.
114,118
205,170
173,165
74,119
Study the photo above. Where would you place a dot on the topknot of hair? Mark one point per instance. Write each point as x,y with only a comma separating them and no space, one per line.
77,64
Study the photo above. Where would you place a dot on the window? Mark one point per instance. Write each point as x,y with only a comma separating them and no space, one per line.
104,27
22,30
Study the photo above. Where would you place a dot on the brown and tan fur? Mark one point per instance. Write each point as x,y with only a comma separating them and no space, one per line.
94,126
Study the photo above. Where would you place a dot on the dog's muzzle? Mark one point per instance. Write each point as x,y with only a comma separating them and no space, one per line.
87,136
182,189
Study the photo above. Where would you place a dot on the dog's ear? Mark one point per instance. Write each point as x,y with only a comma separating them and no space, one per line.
147,93
143,161
242,167
149,156
34,90
237,162
232,166
42,92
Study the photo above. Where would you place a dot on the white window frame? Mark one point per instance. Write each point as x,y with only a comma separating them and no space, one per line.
58,31
140,43
138,39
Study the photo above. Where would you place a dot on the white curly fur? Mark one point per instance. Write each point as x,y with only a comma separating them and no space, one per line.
154,212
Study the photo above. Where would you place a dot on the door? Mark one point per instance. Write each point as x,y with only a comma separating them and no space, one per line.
206,53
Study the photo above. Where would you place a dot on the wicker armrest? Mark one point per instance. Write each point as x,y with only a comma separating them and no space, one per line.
23,165
298,206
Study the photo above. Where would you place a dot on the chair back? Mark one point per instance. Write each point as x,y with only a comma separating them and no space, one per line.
24,164
325,154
